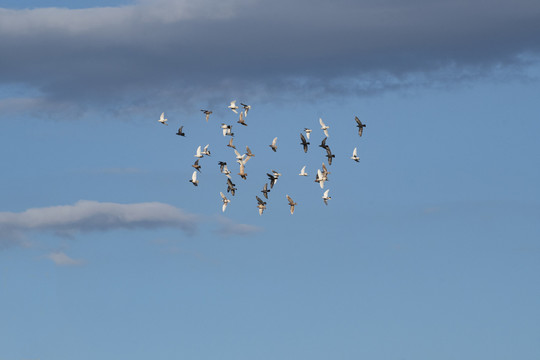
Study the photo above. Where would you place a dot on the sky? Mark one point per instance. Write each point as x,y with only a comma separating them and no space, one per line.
428,249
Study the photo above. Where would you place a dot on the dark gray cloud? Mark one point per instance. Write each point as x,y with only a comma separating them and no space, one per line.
165,49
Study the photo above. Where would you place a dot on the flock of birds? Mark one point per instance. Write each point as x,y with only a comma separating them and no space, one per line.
321,176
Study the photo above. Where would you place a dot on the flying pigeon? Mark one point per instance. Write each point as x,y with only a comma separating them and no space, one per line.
231,144
225,201
241,119
230,186
248,152
197,166
326,197
246,108
355,156
265,190
261,205
324,127
206,151
207,113
198,154
162,119
304,143
329,155
291,204
274,146
360,125
180,133
194,180
233,106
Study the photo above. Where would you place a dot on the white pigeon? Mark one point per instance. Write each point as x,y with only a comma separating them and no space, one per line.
239,158
326,197
225,201
206,151
308,132
226,129
303,171
274,146
162,119
226,171
198,154
233,106
321,178
194,179
324,127
355,156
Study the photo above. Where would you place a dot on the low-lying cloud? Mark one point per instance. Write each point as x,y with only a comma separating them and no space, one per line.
157,50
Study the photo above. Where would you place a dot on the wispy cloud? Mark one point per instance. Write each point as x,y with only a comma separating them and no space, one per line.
185,49
228,228
88,216
61,259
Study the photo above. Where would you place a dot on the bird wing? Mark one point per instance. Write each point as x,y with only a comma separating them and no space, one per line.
224,207
237,154
274,141
222,196
194,176
321,122
302,138
326,133
358,121
354,153
259,200
326,193
162,117
199,150
290,200
233,104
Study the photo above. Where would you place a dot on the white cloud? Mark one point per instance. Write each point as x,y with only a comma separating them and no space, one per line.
87,216
228,228
61,259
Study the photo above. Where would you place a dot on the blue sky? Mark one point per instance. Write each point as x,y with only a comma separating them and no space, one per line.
427,249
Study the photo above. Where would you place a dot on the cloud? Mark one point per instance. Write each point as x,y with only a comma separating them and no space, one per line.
61,259
159,50
229,228
88,216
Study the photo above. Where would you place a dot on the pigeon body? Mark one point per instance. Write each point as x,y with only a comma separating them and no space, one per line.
355,156
194,180
180,132
273,146
265,190
304,142
162,119
233,106
261,205
225,201
360,126
291,204
324,127
206,113
326,197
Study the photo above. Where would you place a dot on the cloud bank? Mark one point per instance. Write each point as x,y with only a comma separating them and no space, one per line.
164,49
88,216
